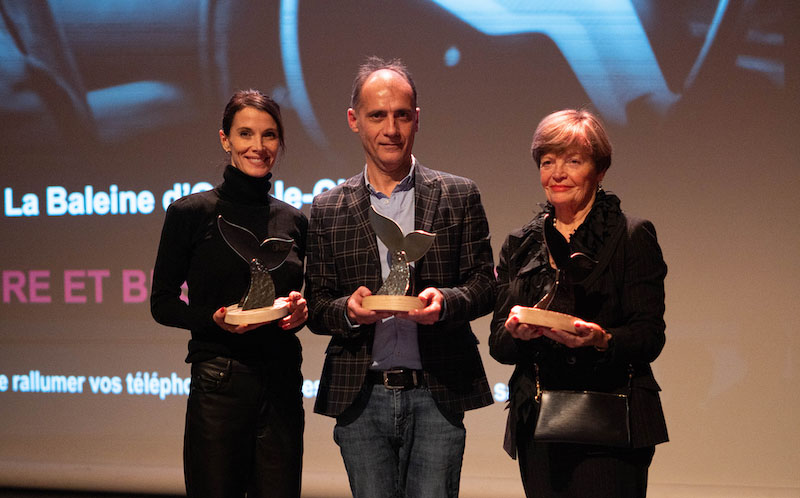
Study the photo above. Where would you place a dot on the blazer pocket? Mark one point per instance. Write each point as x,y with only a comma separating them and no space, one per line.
445,229
448,232
446,247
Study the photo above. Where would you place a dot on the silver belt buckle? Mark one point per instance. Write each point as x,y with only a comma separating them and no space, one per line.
386,374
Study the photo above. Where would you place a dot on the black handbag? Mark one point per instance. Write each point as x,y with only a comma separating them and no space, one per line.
583,417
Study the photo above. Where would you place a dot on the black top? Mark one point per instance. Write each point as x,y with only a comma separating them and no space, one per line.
193,250
627,300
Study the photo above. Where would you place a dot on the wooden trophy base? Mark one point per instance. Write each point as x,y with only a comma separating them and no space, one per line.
236,316
382,302
547,318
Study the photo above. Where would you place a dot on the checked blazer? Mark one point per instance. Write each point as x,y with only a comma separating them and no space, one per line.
343,255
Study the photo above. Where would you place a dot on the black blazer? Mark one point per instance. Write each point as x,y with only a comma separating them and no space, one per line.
627,300
343,255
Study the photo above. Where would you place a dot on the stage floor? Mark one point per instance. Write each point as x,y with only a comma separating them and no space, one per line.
37,493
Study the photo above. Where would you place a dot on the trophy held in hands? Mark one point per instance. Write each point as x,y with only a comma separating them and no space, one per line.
392,296
554,309
258,303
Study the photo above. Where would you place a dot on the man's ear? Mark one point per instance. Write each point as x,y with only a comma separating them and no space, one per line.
352,120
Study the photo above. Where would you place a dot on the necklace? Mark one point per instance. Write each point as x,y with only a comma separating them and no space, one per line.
565,230
563,225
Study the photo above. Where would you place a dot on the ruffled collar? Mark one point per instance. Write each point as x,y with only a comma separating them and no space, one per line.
601,221
589,237
243,188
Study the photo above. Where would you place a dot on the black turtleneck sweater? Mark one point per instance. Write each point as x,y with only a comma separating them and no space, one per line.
193,250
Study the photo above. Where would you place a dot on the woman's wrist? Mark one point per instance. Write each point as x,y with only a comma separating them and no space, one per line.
604,342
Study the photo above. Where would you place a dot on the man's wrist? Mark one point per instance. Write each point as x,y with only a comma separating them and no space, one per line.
347,316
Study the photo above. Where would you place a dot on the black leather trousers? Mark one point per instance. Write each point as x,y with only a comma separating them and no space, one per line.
244,431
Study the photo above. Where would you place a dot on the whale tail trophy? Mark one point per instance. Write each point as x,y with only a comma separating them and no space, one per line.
262,256
402,250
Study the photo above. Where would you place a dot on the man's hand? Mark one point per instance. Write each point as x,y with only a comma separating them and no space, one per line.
357,314
430,314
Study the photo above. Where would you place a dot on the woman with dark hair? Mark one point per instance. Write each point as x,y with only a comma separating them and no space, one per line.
244,417
619,303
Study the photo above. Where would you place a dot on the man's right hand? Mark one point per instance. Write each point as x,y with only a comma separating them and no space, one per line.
357,314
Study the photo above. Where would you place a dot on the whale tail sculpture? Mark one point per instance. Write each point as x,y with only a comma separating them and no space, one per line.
262,256
571,269
402,250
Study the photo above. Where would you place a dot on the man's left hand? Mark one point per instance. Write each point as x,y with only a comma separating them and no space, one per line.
430,314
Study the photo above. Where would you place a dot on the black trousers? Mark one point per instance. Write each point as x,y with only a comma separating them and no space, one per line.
558,470
244,431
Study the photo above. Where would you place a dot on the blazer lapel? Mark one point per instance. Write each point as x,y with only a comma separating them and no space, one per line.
426,201
358,204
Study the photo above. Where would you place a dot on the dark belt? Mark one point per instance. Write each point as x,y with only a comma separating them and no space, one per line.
398,378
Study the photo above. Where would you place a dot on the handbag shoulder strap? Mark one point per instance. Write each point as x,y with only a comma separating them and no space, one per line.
603,260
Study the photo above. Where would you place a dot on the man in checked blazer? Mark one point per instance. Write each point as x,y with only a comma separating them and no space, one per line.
398,384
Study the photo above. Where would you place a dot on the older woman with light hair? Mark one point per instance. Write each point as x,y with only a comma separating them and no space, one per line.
612,274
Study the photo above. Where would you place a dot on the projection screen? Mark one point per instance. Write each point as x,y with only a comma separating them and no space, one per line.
110,111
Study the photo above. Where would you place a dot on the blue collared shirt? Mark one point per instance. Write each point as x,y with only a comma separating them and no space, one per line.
395,343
